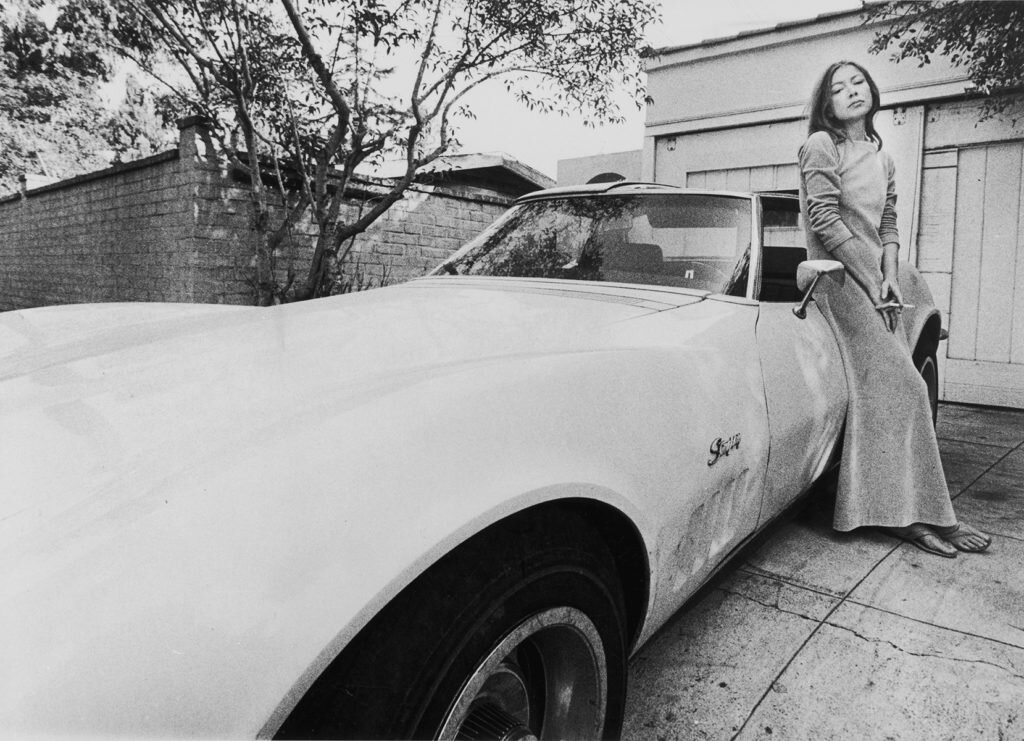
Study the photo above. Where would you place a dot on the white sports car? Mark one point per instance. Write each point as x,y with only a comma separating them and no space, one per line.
446,509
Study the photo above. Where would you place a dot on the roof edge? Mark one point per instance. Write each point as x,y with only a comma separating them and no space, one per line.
783,26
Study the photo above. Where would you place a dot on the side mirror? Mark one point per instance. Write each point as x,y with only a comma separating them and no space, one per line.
809,272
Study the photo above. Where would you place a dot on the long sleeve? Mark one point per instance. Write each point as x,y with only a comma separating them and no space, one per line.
819,164
862,267
887,230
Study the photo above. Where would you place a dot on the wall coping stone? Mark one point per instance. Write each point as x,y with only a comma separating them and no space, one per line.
155,159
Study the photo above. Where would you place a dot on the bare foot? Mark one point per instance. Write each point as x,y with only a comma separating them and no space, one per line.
923,537
964,537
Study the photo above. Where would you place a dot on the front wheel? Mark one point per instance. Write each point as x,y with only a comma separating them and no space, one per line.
518,634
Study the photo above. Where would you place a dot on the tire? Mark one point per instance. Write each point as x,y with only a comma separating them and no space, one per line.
525,613
929,370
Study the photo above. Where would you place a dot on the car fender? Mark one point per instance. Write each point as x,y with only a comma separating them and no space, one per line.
167,597
921,322
467,484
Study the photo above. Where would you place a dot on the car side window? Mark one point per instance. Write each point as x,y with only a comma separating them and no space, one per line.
783,248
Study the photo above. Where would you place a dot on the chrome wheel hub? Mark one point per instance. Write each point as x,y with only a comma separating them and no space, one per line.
546,679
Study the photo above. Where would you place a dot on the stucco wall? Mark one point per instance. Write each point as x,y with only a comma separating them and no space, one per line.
768,76
579,170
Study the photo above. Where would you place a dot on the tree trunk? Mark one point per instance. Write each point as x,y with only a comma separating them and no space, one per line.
266,284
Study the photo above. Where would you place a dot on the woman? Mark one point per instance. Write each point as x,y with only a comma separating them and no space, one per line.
890,475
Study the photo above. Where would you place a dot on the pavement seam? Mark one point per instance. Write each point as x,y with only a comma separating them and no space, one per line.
977,442
807,640
981,475
754,571
940,627
1010,411
926,655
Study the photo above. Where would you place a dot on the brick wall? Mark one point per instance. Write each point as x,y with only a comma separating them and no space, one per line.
177,227
424,228
114,235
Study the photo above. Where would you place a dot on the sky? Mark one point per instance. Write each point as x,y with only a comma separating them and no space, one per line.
539,140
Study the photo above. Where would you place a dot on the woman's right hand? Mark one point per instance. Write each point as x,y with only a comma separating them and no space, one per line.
891,303
867,275
890,291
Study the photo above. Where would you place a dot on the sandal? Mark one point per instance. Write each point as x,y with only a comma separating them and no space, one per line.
923,537
964,537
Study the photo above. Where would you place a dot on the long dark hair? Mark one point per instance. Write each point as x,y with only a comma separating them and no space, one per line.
821,117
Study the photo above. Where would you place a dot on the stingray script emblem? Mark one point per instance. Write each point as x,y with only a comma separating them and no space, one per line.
722,446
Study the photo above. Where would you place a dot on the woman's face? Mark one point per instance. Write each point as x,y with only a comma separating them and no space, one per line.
851,95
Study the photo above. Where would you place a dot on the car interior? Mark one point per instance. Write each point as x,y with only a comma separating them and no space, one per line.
627,261
700,245
783,248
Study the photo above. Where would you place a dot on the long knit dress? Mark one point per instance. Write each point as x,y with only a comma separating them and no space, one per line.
890,474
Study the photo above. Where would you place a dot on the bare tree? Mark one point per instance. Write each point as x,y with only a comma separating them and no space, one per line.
301,94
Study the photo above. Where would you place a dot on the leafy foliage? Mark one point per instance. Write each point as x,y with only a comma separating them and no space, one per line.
986,38
302,94
55,73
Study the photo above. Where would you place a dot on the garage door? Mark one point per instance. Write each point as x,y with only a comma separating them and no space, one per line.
985,353
768,177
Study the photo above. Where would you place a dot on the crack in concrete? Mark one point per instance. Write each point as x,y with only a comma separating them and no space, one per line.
754,570
775,606
926,655
863,637
843,599
937,626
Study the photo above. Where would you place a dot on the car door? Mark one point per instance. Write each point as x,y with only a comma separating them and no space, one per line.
710,444
804,380
805,389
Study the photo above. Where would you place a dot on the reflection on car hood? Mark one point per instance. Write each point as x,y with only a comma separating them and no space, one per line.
102,382
426,321
157,466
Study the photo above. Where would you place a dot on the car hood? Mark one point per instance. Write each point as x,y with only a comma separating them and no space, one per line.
143,502
417,324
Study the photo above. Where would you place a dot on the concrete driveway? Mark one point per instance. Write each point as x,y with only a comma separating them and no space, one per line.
820,635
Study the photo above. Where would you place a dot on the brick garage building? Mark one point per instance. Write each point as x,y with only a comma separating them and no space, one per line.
176,227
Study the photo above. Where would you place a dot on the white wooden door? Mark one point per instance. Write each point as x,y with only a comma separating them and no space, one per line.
985,353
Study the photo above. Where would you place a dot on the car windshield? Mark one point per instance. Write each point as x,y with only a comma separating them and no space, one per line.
667,239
